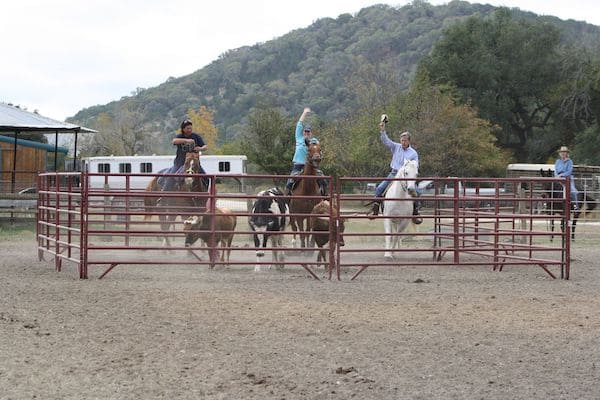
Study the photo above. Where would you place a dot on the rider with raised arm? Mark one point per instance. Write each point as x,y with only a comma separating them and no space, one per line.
185,141
303,137
400,152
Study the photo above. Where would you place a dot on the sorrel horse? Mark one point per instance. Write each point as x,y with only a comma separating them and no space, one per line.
554,192
305,187
398,205
184,206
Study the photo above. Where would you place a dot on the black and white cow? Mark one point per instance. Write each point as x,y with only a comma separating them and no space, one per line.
271,214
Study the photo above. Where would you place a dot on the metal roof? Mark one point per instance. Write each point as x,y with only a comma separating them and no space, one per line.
37,145
14,119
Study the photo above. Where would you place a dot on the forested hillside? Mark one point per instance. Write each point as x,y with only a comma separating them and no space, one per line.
325,66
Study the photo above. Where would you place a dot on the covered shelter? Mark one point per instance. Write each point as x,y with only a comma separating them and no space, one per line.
33,157
14,121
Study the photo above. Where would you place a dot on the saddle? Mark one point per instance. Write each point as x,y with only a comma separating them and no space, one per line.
322,186
320,182
162,179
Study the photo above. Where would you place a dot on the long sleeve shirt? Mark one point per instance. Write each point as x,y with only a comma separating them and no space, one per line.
301,148
563,168
399,153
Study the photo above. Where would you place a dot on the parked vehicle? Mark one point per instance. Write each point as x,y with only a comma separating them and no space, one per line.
427,187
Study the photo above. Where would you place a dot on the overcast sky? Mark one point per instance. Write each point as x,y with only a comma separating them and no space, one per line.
61,56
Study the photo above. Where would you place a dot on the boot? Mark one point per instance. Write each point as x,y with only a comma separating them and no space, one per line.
417,220
374,210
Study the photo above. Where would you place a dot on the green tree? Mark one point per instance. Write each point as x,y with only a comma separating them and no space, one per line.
269,141
450,138
507,68
587,146
202,121
122,135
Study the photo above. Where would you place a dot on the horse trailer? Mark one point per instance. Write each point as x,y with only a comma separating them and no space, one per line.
144,168
587,177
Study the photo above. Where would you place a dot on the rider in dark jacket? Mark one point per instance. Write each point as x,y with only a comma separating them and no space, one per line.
185,141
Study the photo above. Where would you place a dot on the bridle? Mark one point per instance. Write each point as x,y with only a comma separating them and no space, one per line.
404,184
315,158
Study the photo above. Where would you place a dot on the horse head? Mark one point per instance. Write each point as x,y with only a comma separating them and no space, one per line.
409,171
191,167
314,155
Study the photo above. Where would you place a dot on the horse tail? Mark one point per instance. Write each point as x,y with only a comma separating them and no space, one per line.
150,201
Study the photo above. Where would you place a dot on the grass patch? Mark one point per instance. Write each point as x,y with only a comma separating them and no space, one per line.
17,231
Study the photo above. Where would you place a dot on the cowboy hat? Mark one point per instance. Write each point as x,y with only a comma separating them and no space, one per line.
563,148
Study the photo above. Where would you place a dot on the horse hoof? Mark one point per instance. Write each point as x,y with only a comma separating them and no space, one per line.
417,220
388,258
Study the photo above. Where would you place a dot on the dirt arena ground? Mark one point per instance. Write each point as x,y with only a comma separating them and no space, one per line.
164,332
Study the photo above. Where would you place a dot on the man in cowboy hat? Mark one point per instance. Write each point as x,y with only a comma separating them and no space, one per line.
563,167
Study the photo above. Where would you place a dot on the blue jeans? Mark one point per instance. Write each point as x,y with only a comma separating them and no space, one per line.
384,184
380,189
170,181
574,192
297,170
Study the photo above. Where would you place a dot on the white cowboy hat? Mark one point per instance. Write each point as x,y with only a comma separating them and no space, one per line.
563,148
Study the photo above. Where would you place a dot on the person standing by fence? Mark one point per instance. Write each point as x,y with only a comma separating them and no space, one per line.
563,168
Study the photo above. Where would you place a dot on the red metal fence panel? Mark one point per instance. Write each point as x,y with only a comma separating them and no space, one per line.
466,221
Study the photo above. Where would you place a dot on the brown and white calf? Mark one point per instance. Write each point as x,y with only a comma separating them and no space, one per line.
321,226
199,227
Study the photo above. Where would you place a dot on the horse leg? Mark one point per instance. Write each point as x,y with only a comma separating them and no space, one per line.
294,224
321,257
165,226
229,241
387,225
396,239
305,237
301,229
310,239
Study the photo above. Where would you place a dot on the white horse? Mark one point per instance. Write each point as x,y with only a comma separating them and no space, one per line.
398,203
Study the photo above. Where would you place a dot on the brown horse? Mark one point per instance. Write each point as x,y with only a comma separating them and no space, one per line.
184,206
305,187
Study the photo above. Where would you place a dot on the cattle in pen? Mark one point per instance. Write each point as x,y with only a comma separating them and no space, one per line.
270,216
322,215
199,227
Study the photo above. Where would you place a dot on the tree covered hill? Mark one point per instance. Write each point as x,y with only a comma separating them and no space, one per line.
318,66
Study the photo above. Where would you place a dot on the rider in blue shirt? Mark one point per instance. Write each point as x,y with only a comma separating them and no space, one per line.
303,137
563,167
400,152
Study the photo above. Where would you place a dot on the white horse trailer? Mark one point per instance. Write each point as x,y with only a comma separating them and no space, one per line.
139,166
